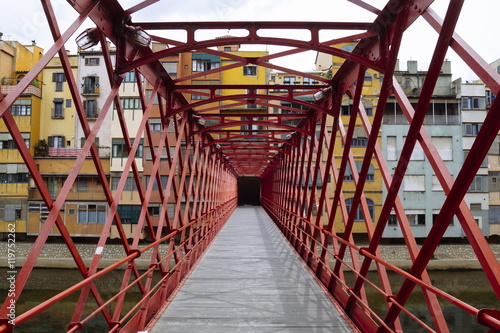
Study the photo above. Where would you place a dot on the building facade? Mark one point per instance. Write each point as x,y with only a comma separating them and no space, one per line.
15,61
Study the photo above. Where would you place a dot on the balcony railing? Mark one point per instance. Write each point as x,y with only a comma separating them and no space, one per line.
90,90
31,90
65,152
428,120
72,152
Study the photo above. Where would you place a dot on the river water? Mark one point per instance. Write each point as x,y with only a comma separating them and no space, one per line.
469,286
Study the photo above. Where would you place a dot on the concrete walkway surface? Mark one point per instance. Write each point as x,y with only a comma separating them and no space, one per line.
250,280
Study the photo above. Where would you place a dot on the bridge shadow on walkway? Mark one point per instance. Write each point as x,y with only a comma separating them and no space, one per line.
250,280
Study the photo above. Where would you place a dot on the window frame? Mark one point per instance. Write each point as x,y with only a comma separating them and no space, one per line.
250,70
359,214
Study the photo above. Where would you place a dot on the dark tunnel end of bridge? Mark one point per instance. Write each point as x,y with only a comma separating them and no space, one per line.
249,191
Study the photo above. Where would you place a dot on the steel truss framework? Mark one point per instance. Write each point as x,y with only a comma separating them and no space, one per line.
287,150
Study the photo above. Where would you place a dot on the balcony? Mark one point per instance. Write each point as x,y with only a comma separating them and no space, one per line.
428,120
90,90
8,84
61,152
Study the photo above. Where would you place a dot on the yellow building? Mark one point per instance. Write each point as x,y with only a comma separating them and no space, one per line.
57,124
85,209
249,74
373,185
15,61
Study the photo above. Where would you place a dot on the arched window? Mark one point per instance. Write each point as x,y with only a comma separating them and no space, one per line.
359,214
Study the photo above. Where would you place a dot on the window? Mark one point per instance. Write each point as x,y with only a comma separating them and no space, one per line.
14,178
149,93
286,79
91,214
494,181
120,150
170,67
346,110
418,153
414,183
59,79
359,142
155,185
129,184
129,214
90,107
201,97
52,185
91,61
489,97
250,70
68,103
475,206
90,85
470,103
56,141
155,125
307,80
435,214
154,210
228,49
12,213
348,174
443,145
319,180
129,77
393,220
81,183
57,110
416,217
347,107
18,212
131,103
436,185
163,153
359,214
484,164
201,65
471,129
479,184
368,79
391,148
21,107
6,141
83,140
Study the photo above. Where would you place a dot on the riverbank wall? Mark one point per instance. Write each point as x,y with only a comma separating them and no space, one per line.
55,255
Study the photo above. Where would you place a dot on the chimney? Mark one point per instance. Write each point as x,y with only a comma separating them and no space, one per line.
1,34
446,68
412,66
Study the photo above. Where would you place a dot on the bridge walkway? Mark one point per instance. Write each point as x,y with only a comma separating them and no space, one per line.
250,280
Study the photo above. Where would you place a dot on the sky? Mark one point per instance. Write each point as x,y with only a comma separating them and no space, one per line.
478,25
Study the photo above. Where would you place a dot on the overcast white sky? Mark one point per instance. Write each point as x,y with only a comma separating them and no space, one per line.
479,23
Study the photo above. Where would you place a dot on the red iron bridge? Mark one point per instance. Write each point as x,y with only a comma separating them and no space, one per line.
251,178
